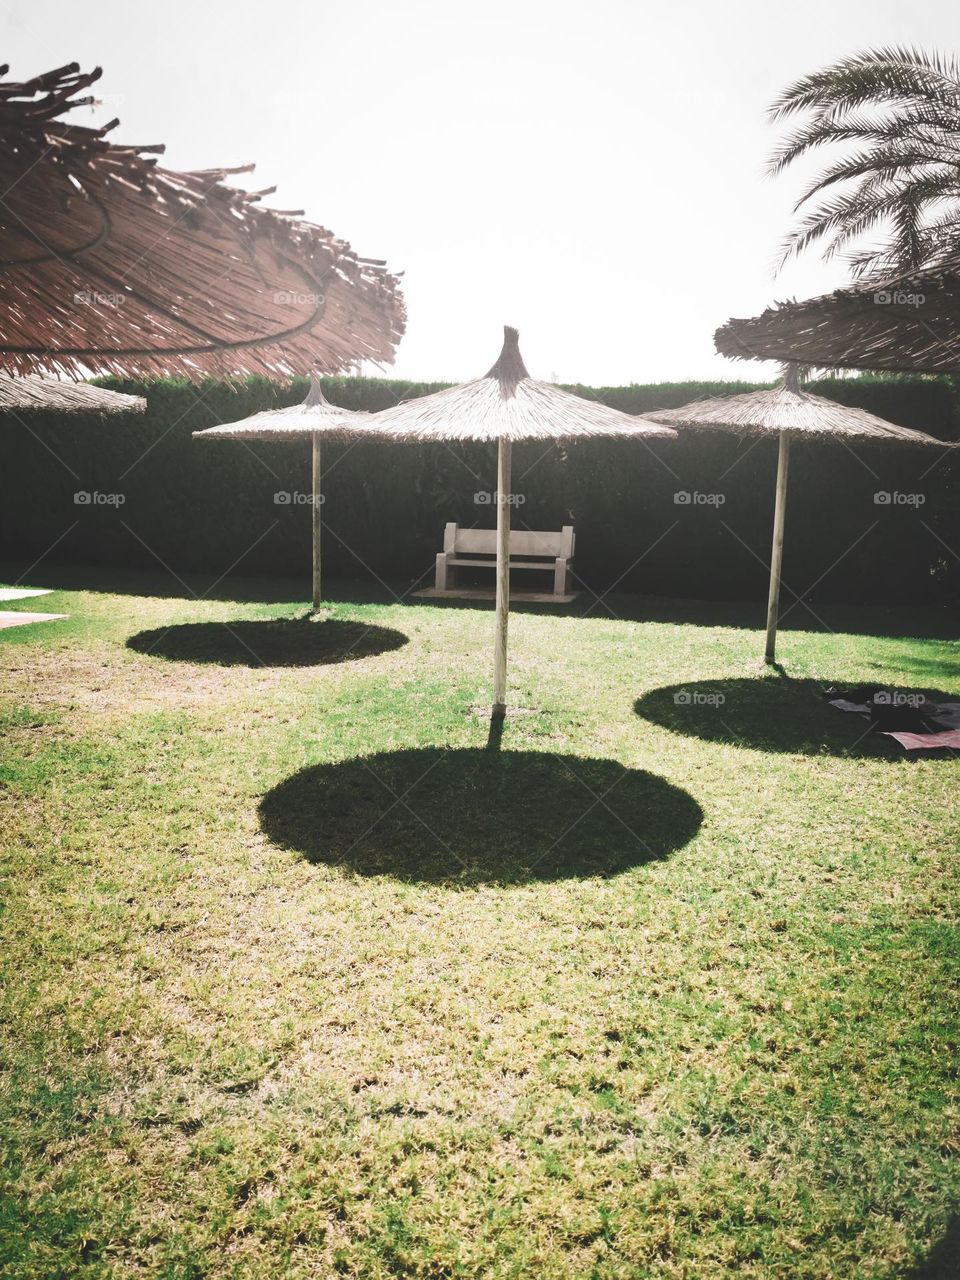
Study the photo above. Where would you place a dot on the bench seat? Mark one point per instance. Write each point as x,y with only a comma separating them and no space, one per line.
492,564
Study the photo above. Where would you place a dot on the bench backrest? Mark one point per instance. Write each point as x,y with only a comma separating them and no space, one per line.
523,542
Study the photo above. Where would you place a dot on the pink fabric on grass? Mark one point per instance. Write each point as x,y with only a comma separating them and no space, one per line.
919,741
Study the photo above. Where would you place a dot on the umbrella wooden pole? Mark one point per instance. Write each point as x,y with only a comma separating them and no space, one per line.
776,554
315,508
503,580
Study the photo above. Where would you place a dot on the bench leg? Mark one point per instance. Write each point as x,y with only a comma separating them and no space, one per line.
446,576
560,576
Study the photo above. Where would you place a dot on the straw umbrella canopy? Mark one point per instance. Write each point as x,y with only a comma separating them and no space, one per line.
311,420
109,262
910,323
506,406
35,394
790,414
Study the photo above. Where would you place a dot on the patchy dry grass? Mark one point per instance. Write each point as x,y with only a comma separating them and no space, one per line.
300,981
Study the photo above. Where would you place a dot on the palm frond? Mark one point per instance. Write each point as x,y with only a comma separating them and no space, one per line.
902,168
844,215
899,108
936,128
941,141
874,75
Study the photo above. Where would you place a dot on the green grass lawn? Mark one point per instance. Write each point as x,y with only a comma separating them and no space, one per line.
303,980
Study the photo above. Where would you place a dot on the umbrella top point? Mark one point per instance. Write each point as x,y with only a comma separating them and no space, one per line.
509,368
315,394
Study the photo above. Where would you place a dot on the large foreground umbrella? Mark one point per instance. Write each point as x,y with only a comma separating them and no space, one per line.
505,406
790,414
312,420
111,263
35,394
911,323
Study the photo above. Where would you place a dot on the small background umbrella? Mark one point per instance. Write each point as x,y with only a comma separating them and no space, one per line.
33,394
506,406
311,420
36,394
788,413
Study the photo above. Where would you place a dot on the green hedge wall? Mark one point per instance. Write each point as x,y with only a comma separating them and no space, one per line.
207,506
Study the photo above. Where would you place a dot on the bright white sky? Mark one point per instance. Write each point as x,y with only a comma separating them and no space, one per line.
590,171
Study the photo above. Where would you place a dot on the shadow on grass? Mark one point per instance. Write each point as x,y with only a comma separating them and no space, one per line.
943,1260
275,642
904,622
774,713
471,817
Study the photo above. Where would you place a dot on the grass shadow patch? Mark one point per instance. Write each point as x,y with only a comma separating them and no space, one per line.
470,817
774,714
274,642
943,1260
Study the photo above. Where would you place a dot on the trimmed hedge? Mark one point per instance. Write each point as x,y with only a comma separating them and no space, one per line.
207,506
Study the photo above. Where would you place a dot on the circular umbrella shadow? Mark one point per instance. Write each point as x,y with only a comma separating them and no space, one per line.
472,817
276,642
775,714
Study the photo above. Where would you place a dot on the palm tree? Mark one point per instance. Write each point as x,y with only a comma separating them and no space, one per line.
898,111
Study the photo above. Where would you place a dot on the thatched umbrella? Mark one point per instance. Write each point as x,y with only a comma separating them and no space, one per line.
109,262
907,324
507,406
311,420
790,414
35,394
